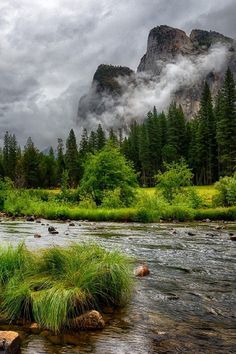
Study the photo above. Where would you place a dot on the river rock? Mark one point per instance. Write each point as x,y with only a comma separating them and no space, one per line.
71,224
233,238
9,342
37,236
142,271
190,233
52,230
29,218
90,320
35,328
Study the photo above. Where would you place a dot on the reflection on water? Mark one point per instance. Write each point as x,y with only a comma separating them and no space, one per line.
186,305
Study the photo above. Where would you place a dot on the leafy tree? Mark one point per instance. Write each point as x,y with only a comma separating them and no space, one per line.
176,176
106,171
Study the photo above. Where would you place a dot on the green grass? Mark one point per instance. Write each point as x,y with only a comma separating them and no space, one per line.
54,286
149,207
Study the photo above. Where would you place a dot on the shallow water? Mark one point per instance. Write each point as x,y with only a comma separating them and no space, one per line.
186,305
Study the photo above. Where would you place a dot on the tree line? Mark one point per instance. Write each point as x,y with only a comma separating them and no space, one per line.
207,143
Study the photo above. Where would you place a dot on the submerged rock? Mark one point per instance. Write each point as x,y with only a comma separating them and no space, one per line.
142,271
37,236
90,320
9,342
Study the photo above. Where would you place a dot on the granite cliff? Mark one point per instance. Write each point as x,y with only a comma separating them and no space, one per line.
208,52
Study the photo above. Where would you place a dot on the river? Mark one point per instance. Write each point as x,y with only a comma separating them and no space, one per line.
186,305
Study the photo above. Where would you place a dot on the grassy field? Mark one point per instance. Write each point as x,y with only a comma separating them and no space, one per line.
149,207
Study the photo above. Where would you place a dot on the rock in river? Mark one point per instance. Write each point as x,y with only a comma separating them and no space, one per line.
9,342
90,320
142,271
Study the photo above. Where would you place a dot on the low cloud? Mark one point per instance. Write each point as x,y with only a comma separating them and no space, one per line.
146,90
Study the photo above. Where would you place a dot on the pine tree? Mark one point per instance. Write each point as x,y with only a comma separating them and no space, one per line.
206,140
226,126
101,138
92,142
144,155
60,160
71,159
31,165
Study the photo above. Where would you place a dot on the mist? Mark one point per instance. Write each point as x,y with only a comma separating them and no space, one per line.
144,91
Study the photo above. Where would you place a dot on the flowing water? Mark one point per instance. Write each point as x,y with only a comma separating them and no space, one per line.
187,303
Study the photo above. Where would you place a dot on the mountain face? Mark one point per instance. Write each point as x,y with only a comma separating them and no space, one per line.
202,56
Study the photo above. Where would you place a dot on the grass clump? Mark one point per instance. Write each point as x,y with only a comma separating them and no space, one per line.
56,285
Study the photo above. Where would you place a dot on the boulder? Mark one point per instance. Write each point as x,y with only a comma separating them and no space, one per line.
142,271
90,320
9,342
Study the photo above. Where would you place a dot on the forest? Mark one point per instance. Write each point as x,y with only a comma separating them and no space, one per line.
207,143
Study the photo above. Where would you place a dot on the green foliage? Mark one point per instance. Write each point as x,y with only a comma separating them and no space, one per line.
106,171
56,285
112,199
176,176
227,191
87,202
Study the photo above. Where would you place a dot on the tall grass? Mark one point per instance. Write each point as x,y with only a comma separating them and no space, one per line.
58,284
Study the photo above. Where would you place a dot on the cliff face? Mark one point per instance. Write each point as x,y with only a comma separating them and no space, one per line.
105,86
166,45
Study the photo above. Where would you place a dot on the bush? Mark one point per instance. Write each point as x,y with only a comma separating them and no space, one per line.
112,199
87,202
105,171
176,176
227,191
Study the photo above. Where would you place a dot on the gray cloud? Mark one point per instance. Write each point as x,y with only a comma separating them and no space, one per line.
49,51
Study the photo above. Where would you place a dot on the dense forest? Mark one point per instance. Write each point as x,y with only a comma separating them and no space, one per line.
207,143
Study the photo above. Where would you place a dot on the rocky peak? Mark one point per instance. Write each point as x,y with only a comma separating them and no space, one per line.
164,44
205,39
105,77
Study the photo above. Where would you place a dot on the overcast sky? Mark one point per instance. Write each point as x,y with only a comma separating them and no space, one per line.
49,51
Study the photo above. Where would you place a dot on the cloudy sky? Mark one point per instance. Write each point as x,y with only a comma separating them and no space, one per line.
49,51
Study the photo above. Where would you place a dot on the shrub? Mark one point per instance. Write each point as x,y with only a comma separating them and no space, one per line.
112,199
176,176
227,191
106,171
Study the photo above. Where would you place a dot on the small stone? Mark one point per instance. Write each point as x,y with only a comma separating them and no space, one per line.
90,320
71,224
37,236
9,342
55,339
190,233
38,221
233,238
29,218
35,328
52,230
142,271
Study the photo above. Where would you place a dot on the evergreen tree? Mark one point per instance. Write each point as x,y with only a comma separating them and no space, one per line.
144,155
206,140
31,165
60,160
226,126
71,159
92,142
101,138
